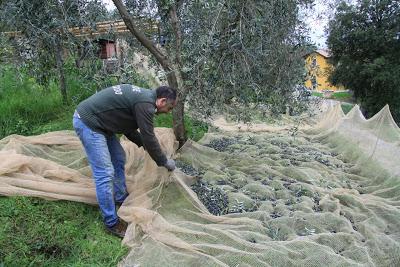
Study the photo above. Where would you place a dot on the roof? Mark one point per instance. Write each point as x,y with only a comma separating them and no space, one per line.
101,28
323,52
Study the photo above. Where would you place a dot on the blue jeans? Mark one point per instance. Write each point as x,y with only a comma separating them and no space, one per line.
107,160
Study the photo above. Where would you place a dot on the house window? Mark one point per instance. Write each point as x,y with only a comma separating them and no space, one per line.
313,62
107,49
314,83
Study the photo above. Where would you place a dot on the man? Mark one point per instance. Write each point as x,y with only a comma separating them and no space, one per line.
120,109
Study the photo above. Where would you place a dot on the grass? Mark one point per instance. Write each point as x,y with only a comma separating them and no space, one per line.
37,232
25,105
318,94
343,96
346,107
339,96
194,129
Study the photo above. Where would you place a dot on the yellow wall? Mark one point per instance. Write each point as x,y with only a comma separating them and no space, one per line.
320,70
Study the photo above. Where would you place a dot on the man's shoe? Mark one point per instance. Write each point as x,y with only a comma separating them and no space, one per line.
118,229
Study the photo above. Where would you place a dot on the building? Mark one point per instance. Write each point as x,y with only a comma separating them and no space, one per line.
318,69
109,41
108,35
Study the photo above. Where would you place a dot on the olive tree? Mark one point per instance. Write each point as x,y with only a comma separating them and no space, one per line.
223,52
44,28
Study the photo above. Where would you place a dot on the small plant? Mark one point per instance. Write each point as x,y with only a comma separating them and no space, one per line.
276,233
293,131
308,231
238,207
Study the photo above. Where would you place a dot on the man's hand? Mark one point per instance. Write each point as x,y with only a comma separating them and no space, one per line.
170,165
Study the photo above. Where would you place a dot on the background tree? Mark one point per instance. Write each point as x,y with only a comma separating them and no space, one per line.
365,42
44,28
218,52
254,55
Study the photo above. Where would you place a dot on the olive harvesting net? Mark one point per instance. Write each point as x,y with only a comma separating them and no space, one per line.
326,194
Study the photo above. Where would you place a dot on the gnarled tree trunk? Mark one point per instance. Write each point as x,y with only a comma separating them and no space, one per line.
178,112
172,70
60,68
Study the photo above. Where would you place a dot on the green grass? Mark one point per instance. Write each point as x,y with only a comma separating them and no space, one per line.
194,129
61,121
339,96
342,96
346,107
38,232
28,108
318,94
24,105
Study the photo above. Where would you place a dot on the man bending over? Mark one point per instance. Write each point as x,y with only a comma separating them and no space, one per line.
120,109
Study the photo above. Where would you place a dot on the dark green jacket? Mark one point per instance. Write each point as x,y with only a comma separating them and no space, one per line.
123,109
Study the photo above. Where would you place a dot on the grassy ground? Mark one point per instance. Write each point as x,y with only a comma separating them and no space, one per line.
318,94
339,96
344,97
346,107
36,232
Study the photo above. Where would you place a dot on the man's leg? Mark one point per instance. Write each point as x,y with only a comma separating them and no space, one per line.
118,160
96,148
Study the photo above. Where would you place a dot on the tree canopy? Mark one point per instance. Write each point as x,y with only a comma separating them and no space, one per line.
365,42
245,52
225,52
216,53
44,26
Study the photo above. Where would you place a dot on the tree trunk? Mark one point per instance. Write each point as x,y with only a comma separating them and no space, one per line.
60,68
178,112
176,79
173,72
179,122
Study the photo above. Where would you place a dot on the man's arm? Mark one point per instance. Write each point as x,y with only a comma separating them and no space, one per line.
144,118
135,137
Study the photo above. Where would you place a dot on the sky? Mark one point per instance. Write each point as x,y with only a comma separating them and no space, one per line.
317,20
109,4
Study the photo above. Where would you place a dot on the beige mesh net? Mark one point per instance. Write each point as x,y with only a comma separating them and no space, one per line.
327,195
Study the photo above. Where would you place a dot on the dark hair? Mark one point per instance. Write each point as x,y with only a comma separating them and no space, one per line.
167,92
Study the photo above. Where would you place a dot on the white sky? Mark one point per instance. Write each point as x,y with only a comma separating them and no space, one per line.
316,20
109,4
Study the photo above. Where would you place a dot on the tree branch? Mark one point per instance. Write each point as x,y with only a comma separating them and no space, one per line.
177,32
130,24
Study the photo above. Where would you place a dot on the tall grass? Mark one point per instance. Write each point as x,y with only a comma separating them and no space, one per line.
195,129
27,107
24,104
37,232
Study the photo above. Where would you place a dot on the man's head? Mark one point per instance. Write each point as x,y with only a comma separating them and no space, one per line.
166,99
